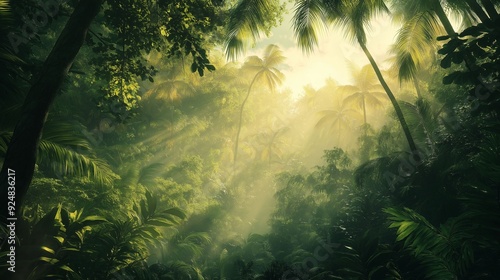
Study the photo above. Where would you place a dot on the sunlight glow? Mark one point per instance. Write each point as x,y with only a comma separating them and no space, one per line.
331,56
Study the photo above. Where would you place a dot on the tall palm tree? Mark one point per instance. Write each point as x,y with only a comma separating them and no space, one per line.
365,91
336,119
265,71
309,16
353,17
271,142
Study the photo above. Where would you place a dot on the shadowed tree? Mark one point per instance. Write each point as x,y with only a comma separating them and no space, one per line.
23,146
181,22
266,72
423,22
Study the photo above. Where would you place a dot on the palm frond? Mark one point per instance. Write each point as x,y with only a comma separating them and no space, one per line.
451,242
64,161
413,43
148,173
273,56
247,19
309,17
64,151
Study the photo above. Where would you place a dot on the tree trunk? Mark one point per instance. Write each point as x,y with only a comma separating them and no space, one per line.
468,58
241,121
478,10
22,150
490,9
445,21
391,96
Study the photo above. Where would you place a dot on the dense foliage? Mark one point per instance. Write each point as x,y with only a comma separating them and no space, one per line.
151,167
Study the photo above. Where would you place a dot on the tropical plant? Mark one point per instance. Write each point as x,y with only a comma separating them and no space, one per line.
365,92
263,70
444,252
336,120
65,151
352,16
53,242
125,242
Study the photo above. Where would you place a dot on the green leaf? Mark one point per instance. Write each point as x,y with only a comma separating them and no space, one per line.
446,62
210,67
49,250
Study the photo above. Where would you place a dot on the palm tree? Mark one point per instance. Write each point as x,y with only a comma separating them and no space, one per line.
265,70
365,90
336,119
414,42
271,142
353,17
423,21
311,15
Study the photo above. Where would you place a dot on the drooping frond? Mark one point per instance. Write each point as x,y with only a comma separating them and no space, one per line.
355,16
173,90
413,43
273,56
247,19
65,161
64,152
265,69
309,17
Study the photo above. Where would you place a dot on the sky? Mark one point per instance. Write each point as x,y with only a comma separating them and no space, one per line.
329,59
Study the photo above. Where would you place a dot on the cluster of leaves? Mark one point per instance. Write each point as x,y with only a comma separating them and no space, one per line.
477,48
63,244
130,29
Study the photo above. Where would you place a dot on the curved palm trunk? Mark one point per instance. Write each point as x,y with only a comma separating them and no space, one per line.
21,153
365,127
241,121
391,96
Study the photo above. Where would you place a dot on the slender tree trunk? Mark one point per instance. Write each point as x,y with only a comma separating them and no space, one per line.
338,136
468,59
391,96
430,141
490,9
22,150
445,21
364,110
241,121
365,127
478,10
